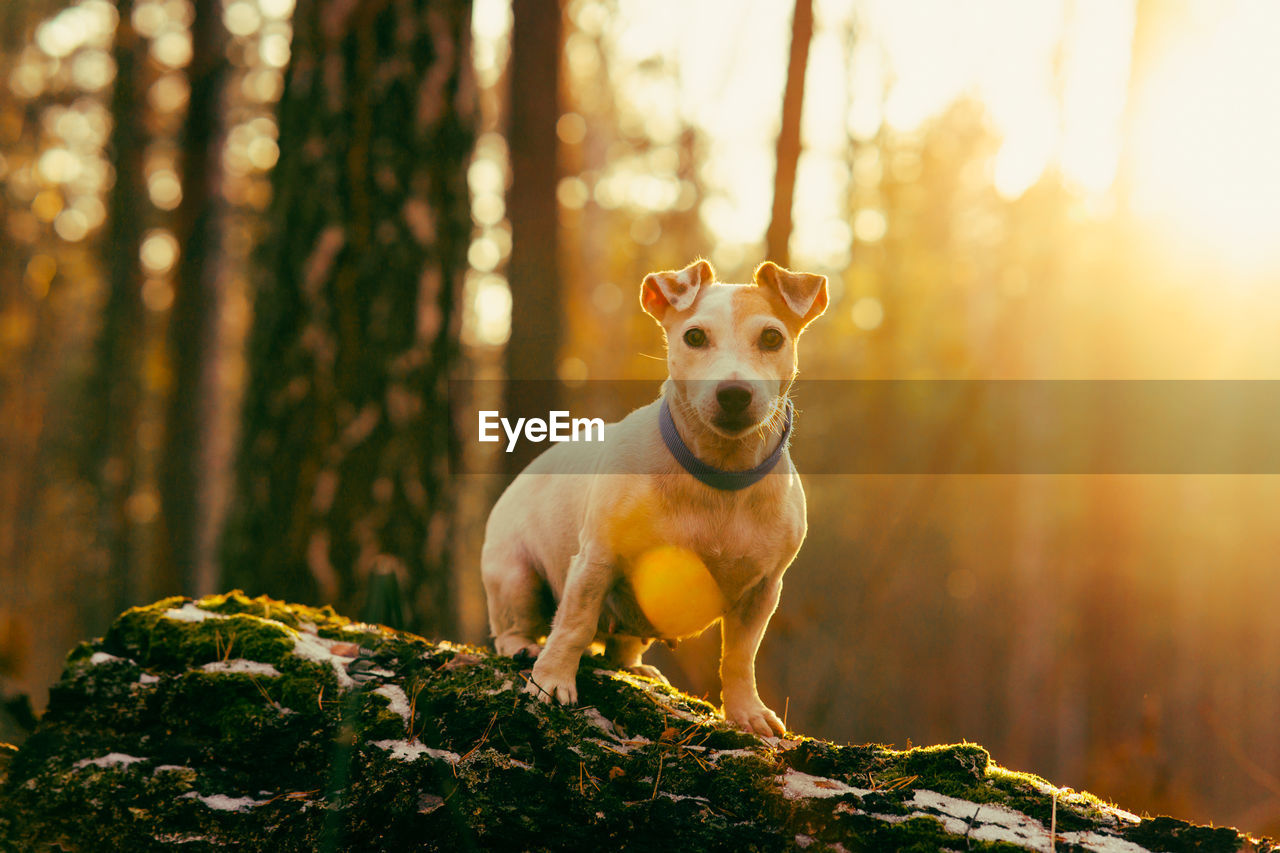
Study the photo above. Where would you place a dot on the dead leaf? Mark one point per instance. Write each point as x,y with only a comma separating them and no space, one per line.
460,661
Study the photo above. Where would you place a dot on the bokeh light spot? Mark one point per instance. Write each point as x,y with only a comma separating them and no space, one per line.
47,205
483,254
571,128
71,225
867,313
165,189
274,50
157,294
572,193
870,226
492,310
572,371
58,166
276,9
149,19
93,70
159,251
169,93
488,208
263,153
241,18
172,48
40,272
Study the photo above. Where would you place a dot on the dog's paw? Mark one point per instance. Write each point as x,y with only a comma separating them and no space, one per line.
648,672
754,717
547,687
517,647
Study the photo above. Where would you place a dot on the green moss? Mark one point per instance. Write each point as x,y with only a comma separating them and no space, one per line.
412,744
1178,836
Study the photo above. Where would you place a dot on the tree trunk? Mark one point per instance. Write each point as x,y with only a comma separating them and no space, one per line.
347,434
784,183
533,271
193,319
114,391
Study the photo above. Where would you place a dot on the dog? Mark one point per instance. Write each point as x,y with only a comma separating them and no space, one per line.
689,512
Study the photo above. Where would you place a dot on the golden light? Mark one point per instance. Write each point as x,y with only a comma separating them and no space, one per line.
241,18
92,209
1206,132
485,175
274,49
868,313
571,128
40,272
483,254
572,371
169,93
264,85
263,153
61,35
58,165
870,225
71,225
675,590
165,189
47,205
488,208
93,70
148,18
157,294
159,251
572,193
172,48
277,9
489,319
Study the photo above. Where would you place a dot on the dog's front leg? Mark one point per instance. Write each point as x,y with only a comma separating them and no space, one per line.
741,632
574,627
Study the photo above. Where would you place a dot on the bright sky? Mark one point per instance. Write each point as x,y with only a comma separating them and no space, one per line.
1206,133
1053,75
1197,144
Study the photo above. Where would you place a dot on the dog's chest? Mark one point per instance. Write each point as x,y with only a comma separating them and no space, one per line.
737,538
737,547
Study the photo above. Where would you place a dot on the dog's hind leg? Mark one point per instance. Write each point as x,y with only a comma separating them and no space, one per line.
516,595
623,651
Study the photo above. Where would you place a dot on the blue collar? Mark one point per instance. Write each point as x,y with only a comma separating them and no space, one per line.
716,478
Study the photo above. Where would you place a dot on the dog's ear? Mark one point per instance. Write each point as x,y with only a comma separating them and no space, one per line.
674,289
804,293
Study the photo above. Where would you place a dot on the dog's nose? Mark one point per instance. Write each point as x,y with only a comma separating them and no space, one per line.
733,397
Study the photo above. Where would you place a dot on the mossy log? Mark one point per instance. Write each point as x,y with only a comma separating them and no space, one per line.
250,724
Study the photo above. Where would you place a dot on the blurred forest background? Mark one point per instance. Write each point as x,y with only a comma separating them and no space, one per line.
248,250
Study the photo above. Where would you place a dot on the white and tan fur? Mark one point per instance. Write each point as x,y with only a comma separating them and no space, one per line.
568,526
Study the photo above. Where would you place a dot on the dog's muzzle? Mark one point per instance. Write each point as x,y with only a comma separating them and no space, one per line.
734,402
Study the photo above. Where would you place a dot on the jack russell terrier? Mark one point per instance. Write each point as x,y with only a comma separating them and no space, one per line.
688,512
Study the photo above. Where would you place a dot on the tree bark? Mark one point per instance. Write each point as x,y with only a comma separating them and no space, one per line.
114,390
347,434
533,271
788,153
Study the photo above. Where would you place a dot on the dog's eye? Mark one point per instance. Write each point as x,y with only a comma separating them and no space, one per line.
770,339
695,338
